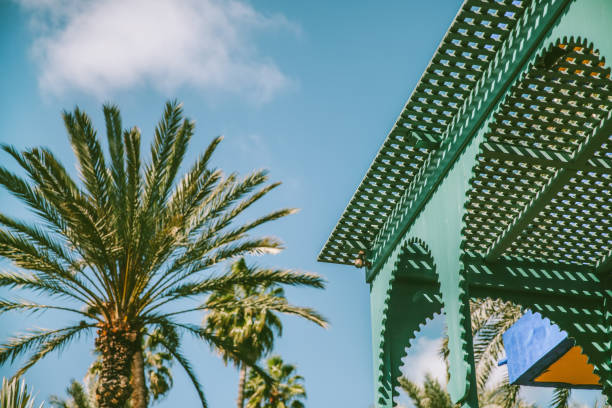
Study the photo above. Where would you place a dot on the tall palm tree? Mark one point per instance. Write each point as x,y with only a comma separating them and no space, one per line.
157,368
286,391
15,394
252,328
128,245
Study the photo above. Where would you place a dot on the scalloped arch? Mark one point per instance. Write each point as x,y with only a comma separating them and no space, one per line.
411,300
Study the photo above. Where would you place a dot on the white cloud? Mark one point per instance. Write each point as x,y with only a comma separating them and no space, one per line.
99,47
424,358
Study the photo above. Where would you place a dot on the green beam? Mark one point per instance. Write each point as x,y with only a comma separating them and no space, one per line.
575,283
604,266
417,139
543,157
556,183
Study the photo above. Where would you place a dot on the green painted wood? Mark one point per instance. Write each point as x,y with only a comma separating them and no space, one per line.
458,58
443,240
401,305
552,188
500,165
485,98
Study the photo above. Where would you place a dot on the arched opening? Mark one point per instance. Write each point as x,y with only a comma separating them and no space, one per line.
413,299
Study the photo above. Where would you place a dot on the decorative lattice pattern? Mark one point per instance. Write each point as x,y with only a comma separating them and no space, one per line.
466,51
542,186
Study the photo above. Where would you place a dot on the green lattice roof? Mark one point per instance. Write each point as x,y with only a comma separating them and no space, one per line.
543,182
469,46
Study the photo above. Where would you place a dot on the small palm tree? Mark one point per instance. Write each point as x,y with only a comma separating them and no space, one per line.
285,391
561,398
253,327
430,395
15,394
158,364
80,397
433,395
125,248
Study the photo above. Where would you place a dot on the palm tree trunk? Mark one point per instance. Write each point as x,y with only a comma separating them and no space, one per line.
116,343
140,392
241,381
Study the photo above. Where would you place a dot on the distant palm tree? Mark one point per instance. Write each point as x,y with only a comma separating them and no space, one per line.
286,391
433,395
561,398
253,327
430,395
128,246
157,366
15,394
80,397
158,363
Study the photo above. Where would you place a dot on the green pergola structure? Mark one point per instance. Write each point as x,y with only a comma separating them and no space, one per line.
495,181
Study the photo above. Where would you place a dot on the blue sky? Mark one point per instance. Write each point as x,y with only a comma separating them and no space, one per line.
308,90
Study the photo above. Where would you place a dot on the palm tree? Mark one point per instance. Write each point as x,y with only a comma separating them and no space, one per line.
128,245
286,391
157,367
15,394
80,397
158,364
252,328
433,395
561,398
430,395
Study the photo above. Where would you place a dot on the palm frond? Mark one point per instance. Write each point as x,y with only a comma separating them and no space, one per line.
413,391
506,395
43,340
114,137
44,240
561,398
269,303
157,170
88,151
131,140
15,394
27,306
41,284
170,342
257,277
34,199
78,395
228,347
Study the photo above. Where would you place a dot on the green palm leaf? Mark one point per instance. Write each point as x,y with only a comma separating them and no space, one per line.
131,243
15,394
